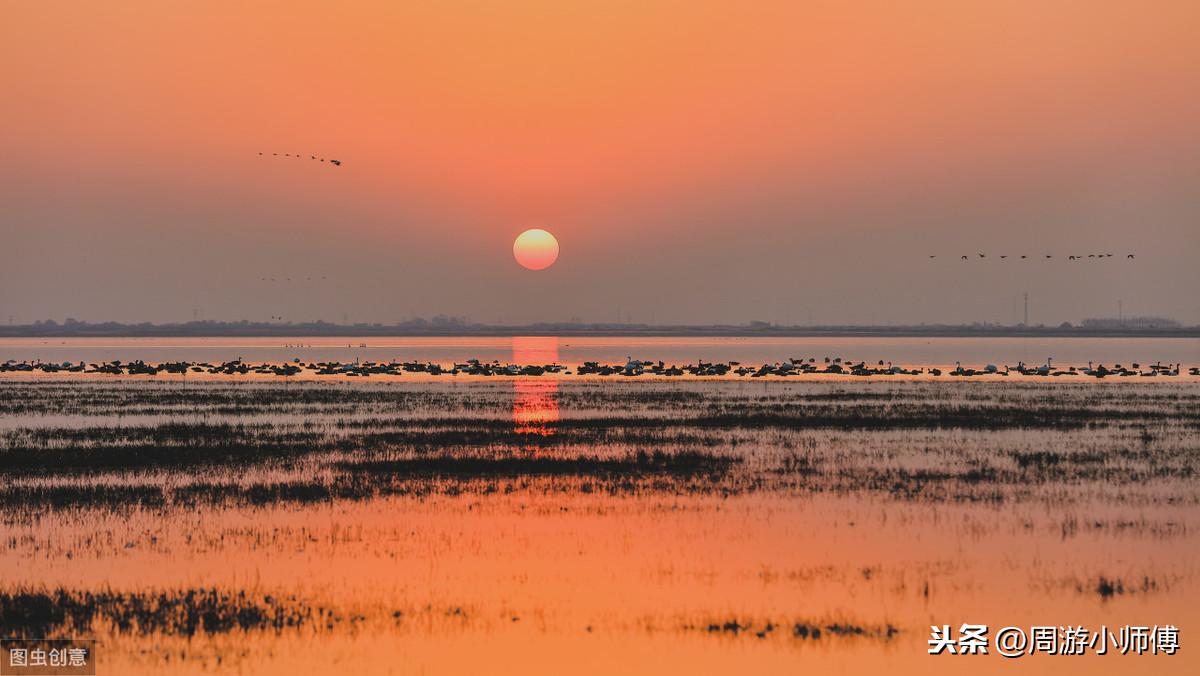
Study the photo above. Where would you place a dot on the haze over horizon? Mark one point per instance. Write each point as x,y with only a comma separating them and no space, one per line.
699,162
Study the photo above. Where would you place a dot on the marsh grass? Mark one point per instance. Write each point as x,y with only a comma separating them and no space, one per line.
63,612
212,441
805,630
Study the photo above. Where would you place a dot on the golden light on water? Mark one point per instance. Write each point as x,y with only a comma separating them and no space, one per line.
535,400
535,249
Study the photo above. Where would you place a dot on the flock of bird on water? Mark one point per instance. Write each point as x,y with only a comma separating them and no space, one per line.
632,367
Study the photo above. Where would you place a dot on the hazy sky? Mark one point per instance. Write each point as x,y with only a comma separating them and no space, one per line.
698,161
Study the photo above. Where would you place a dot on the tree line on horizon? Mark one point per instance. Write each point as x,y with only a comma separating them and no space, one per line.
444,323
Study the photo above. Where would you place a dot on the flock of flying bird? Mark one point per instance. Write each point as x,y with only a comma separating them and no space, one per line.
1074,257
298,156
964,257
632,367
288,279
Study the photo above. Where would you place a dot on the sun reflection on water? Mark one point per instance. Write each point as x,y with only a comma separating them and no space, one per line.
535,400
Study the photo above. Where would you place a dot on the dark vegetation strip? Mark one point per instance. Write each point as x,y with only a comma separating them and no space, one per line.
34,499
687,471
686,463
24,447
802,630
914,417
72,496
439,431
19,398
60,612
188,612
684,473
180,446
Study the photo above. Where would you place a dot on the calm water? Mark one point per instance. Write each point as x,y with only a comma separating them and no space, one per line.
575,350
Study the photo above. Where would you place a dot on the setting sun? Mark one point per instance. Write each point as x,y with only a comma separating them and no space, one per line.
535,249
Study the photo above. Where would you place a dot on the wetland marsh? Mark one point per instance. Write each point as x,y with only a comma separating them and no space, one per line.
420,526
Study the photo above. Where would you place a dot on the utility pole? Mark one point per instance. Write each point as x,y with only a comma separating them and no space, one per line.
1120,312
1026,308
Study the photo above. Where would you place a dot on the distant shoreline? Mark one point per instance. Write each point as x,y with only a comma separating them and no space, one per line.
326,330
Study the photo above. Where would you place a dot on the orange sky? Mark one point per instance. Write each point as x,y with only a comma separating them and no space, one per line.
698,130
